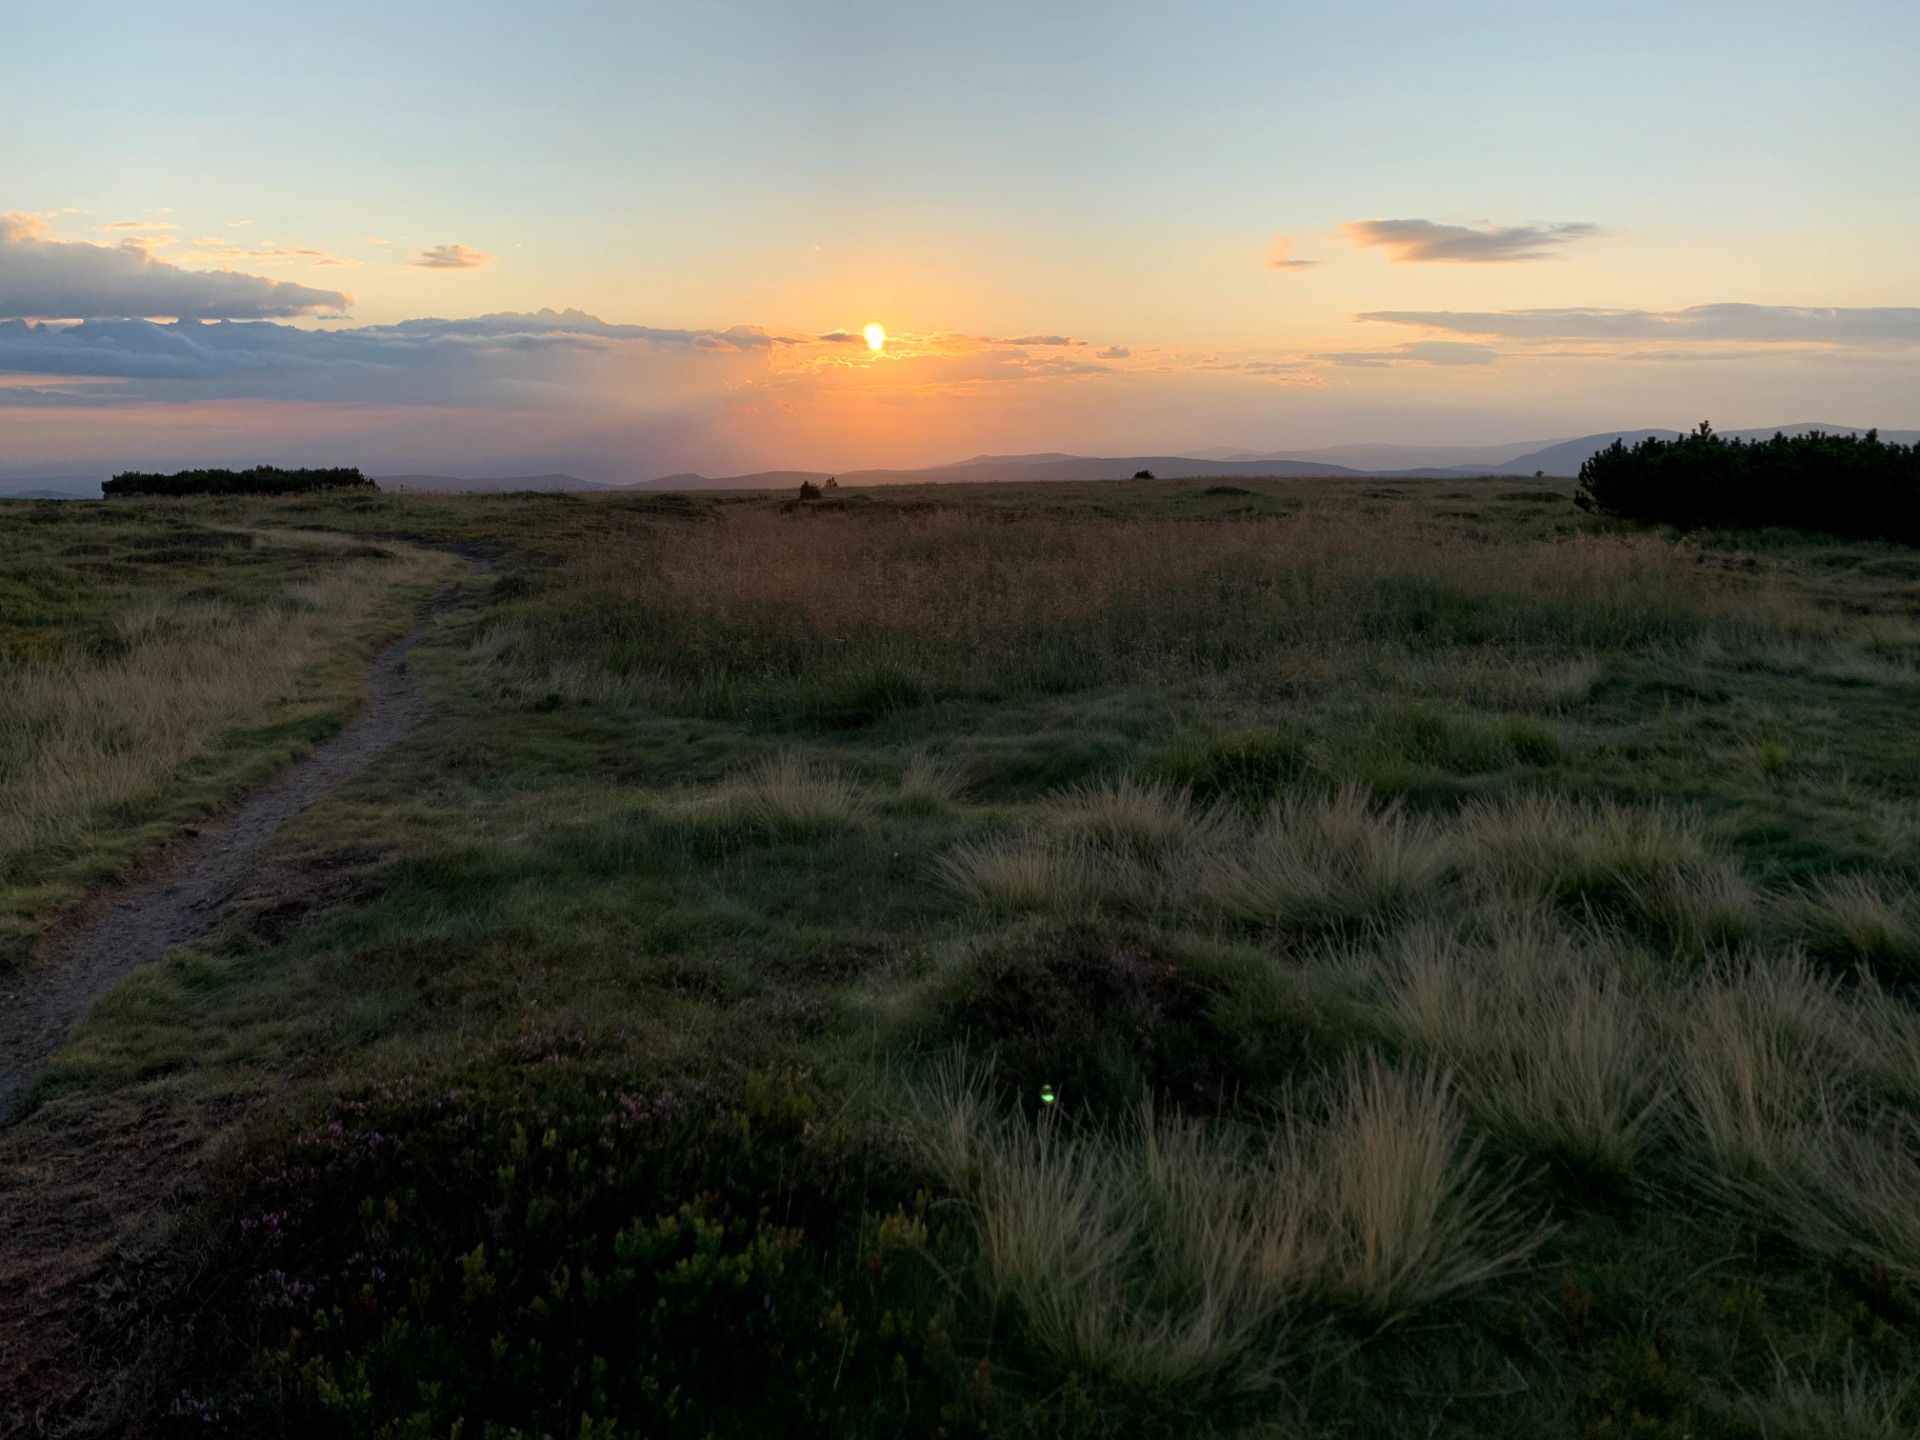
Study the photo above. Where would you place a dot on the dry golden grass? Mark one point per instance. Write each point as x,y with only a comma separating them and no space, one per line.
927,787
1861,1195
1758,1078
1166,1254
785,796
1858,919
1317,860
1135,817
1022,874
990,598
1550,1050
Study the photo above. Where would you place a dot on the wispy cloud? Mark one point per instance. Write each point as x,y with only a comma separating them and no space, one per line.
1280,255
1419,242
48,279
1039,340
140,226
1418,352
213,247
450,257
1762,324
1114,352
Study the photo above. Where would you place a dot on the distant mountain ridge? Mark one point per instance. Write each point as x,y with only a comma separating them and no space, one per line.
1561,458
406,484
1552,457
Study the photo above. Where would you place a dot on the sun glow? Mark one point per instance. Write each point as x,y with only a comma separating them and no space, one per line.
876,337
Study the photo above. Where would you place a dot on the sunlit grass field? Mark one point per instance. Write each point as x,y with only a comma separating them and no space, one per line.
1269,960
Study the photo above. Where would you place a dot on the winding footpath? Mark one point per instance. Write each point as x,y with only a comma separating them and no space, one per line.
199,878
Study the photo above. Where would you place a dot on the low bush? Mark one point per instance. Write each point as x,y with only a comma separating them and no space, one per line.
595,1260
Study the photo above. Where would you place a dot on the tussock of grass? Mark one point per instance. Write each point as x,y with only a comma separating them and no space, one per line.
1327,860
1757,1079
1854,919
1699,909
783,797
1648,864
1860,1405
1549,1049
1861,1195
1143,818
1165,1254
1405,1212
927,787
1023,875
1887,1032
1126,1260
1549,847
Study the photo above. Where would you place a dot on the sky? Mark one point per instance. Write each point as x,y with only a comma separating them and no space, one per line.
625,239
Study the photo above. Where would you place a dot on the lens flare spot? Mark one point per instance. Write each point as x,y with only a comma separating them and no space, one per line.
876,337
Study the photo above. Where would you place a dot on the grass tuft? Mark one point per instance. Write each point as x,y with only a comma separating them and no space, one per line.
1550,1050
1318,861
784,797
1852,919
1148,819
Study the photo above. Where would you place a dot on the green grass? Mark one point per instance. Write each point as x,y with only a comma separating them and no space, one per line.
1468,956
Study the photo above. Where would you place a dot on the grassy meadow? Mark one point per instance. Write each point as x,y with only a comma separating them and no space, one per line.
1263,960
152,665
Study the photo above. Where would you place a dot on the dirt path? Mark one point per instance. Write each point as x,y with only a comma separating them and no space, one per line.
197,879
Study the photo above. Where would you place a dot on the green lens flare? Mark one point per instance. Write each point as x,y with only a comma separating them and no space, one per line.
1046,1094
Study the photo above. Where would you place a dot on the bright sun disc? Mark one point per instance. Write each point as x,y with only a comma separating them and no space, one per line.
876,337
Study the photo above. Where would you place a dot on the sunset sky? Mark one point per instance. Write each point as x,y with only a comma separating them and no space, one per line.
625,239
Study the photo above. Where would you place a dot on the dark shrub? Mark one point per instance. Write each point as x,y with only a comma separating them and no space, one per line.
261,480
1143,474
1098,1017
1854,485
809,490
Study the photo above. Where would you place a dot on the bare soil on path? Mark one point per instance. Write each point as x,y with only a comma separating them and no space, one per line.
195,880
85,1200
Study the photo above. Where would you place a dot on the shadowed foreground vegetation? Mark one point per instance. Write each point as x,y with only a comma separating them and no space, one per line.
1336,960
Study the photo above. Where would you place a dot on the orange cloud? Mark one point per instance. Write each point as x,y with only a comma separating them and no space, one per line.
450,257
1280,255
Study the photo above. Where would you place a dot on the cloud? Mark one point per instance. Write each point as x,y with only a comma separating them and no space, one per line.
1280,255
49,279
842,337
1418,352
212,247
1413,242
450,257
140,225
1114,352
377,240
1760,324
538,360
1038,340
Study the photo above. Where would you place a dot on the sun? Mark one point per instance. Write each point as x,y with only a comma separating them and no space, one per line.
876,337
